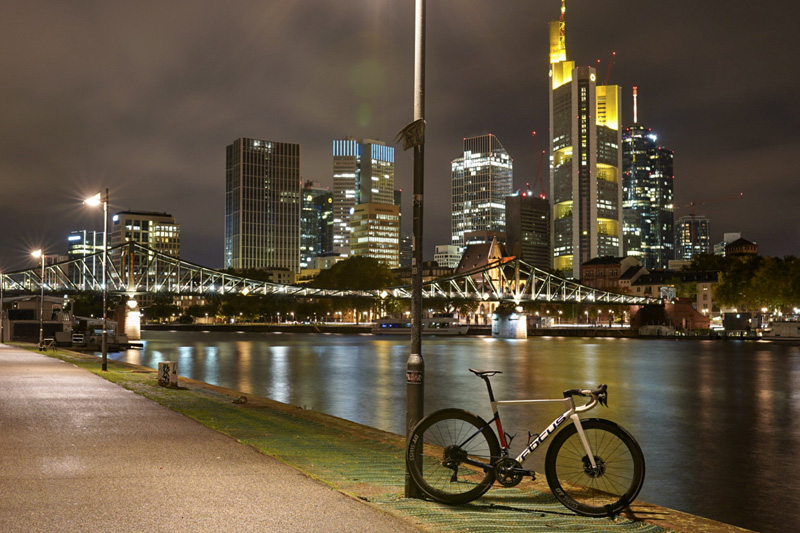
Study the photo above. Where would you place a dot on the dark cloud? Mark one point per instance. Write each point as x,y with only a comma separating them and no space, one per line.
143,97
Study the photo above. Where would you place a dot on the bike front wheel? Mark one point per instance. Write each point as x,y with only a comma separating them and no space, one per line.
450,455
602,490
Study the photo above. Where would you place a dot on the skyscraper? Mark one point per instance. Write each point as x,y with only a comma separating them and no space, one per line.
647,201
585,160
316,222
375,232
363,172
262,205
692,237
528,229
481,179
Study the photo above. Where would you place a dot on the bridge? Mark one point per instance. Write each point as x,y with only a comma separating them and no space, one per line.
134,269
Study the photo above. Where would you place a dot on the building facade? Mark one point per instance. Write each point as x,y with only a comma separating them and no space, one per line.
262,205
81,244
375,233
481,179
585,161
158,231
447,255
647,203
316,222
363,172
692,237
528,229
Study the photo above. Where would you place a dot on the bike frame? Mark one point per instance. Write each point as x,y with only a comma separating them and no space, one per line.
571,413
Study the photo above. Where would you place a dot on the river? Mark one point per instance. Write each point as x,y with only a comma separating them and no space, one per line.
719,421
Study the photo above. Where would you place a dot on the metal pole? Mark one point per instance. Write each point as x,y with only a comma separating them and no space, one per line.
104,342
415,367
2,311
41,309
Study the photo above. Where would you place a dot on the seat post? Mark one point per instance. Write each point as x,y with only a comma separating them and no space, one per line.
488,386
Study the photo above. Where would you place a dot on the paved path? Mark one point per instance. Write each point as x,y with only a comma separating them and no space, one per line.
78,453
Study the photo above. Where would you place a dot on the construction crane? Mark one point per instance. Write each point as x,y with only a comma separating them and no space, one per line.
692,212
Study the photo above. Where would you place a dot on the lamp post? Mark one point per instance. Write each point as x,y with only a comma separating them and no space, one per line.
95,200
40,253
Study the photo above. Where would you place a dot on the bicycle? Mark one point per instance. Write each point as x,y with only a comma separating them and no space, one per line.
593,466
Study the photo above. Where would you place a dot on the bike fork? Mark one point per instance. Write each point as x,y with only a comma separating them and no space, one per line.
577,421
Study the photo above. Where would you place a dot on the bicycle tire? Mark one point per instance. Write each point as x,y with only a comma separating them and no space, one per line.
437,448
606,490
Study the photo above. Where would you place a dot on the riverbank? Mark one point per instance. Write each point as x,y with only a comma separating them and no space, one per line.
366,463
475,330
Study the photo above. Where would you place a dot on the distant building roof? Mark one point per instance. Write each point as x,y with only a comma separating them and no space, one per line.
480,255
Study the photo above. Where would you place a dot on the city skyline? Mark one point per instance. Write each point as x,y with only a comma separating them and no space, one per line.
142,99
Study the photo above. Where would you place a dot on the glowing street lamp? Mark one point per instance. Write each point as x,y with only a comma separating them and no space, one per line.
37,254
96,200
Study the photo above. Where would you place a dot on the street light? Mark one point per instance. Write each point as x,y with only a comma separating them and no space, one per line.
96,200
40,253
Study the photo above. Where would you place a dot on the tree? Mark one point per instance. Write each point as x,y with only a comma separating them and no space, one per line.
355,272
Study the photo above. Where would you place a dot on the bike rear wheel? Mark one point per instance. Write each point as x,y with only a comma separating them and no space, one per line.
606,489
442,451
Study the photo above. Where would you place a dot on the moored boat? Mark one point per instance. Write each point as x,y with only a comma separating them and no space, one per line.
430,326
782,331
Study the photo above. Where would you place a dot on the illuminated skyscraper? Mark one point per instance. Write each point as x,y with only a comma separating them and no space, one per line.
647,196
316,223
482,178
375,232
262,205
692,237
585,161
363,172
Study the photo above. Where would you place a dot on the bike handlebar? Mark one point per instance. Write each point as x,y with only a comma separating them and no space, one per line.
600,393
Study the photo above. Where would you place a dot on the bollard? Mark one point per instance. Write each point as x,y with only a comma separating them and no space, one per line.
168,374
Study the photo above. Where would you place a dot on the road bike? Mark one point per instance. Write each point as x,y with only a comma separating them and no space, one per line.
593,466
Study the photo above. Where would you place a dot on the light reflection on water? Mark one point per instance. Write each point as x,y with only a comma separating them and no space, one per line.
719,422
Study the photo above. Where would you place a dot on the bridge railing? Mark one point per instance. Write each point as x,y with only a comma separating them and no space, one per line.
136,269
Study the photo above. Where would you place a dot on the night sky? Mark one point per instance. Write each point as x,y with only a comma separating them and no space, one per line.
142,97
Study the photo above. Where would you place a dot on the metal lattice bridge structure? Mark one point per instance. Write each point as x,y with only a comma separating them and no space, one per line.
134,269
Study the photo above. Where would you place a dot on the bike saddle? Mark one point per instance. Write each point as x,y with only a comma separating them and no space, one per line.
481,373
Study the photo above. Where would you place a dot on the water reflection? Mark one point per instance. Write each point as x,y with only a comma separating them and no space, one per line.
718,421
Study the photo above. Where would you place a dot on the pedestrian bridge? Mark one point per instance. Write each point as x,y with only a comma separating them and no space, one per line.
134,269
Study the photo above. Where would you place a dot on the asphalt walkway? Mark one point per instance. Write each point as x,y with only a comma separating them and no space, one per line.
81,452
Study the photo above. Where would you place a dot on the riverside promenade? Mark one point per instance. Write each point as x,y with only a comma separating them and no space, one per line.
84,450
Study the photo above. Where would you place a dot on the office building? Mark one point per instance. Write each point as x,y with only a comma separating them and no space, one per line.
375,233
316,222
157,231
647,197
89,246
692,237
262,205
585,161
481,179
447,255
363,172
528,229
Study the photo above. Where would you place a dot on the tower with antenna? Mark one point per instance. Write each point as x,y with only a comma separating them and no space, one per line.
585,160
647,194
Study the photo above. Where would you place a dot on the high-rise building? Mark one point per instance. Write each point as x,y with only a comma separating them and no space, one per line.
647,197
83,243
692,237
363,172
481,179
406,247
157,231
262,205
528,229
375,232
316,223
585,160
